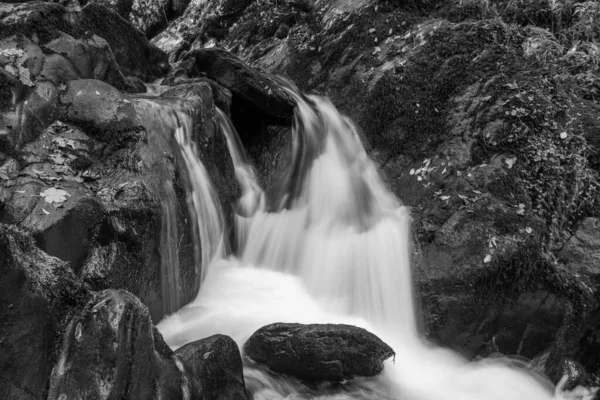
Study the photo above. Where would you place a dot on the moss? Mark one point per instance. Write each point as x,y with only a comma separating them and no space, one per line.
43,20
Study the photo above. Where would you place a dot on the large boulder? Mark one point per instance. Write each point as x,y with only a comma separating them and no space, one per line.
110,349
37,294
60,340
214,365
318,352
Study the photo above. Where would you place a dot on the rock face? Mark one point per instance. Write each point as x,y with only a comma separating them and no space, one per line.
60,340
66,127
318,352
37,294
215,367
110,349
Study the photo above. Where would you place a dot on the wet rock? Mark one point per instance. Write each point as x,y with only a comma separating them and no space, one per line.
211,142
214,365
96,104
37,293
111,349
249,87
318,352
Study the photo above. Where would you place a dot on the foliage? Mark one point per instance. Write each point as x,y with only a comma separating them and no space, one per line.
13,66
553,154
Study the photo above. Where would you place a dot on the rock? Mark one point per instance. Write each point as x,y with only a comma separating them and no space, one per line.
319,351
43,22
79,343
110,349
215,367
258,101
93,103
132,51
211,142
37,293
118,167
582,250
42,57
200,22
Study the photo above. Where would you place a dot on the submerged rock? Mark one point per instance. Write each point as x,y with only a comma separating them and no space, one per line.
214,365
319,351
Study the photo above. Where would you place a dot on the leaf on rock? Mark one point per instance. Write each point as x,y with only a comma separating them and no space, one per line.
45,211
54,196
58,158
11,52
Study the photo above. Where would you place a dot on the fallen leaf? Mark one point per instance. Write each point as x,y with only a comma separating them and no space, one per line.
54,195
45,211
444,197
11,52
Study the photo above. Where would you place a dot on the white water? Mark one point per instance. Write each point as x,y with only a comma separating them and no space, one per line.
334,248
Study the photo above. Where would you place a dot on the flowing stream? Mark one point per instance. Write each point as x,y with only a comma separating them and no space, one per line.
330,245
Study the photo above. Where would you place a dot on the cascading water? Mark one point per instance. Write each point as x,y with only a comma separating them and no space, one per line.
332,246
163,119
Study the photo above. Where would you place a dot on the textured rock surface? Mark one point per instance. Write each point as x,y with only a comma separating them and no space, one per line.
215,367
37,292
322,352
110,349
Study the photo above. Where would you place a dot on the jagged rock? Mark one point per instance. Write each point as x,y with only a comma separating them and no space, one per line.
111,349
45,21
249,87
132,51
36,294
200,22
116,175
215,367
318,352
43,46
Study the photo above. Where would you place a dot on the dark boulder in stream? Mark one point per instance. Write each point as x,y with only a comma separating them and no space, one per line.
318,352
215,367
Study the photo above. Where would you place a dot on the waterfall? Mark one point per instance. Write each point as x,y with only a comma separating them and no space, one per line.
332,247
165,119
